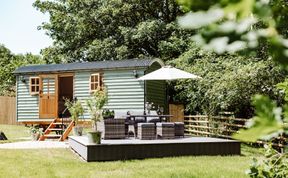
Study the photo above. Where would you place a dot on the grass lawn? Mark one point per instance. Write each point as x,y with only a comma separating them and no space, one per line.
64,163
15,133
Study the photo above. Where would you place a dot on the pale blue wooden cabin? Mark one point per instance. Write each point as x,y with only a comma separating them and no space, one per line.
41,88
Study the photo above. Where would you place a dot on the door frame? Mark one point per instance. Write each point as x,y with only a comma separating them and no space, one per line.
58,87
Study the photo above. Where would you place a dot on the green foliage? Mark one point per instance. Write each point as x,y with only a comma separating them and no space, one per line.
108,113
283,86
196,4
98,100
75,108
228,82
9,62
243,26
249,27
5,57
267,123
95,105
36,130
240,26
112,30
274,165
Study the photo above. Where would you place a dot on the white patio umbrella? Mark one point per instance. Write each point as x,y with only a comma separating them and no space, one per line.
168,73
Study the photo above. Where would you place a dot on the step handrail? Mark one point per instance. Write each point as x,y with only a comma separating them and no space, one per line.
62,120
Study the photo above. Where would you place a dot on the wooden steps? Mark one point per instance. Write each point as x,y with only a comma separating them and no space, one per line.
58,129
55,129
52,136
57,123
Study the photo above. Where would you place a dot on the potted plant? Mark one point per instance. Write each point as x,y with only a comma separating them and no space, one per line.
95,106
107,114
76,110
36,132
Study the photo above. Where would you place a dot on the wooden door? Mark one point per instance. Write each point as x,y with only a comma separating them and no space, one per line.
48,96
177,110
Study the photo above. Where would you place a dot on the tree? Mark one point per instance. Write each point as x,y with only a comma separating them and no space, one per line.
6,81
112,30
243,26
9,63
228,82
116,29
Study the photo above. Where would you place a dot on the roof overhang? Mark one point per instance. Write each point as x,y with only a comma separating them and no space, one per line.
87,66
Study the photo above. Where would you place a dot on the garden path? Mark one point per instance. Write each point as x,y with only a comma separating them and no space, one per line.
34,145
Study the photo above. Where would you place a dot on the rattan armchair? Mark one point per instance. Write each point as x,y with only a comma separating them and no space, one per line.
114,128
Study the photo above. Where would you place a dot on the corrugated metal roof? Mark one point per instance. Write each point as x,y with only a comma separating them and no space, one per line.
47,68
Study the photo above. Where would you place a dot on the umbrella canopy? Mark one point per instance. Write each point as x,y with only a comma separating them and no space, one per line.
168,73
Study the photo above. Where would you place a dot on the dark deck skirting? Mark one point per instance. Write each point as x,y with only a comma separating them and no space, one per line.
111,150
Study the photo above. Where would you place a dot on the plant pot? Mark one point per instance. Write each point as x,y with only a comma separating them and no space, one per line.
35,136
106,117
77,130
94,137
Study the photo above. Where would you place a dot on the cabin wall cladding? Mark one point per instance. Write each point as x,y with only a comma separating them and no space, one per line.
27,105
81,89
156,89
124,91
156,93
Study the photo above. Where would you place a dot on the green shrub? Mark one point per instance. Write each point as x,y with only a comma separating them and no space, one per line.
75,108
228,82
274,165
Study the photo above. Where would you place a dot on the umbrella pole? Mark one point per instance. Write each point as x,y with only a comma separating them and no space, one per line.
166,98
145,94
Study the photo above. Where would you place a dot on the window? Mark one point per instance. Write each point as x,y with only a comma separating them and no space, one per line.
96,81
34,85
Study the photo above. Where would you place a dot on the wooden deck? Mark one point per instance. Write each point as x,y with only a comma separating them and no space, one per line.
126,149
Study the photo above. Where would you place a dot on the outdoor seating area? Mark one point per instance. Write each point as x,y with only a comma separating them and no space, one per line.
163,88
141,126
130,148
139,136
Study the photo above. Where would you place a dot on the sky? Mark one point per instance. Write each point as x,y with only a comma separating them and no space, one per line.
18,27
